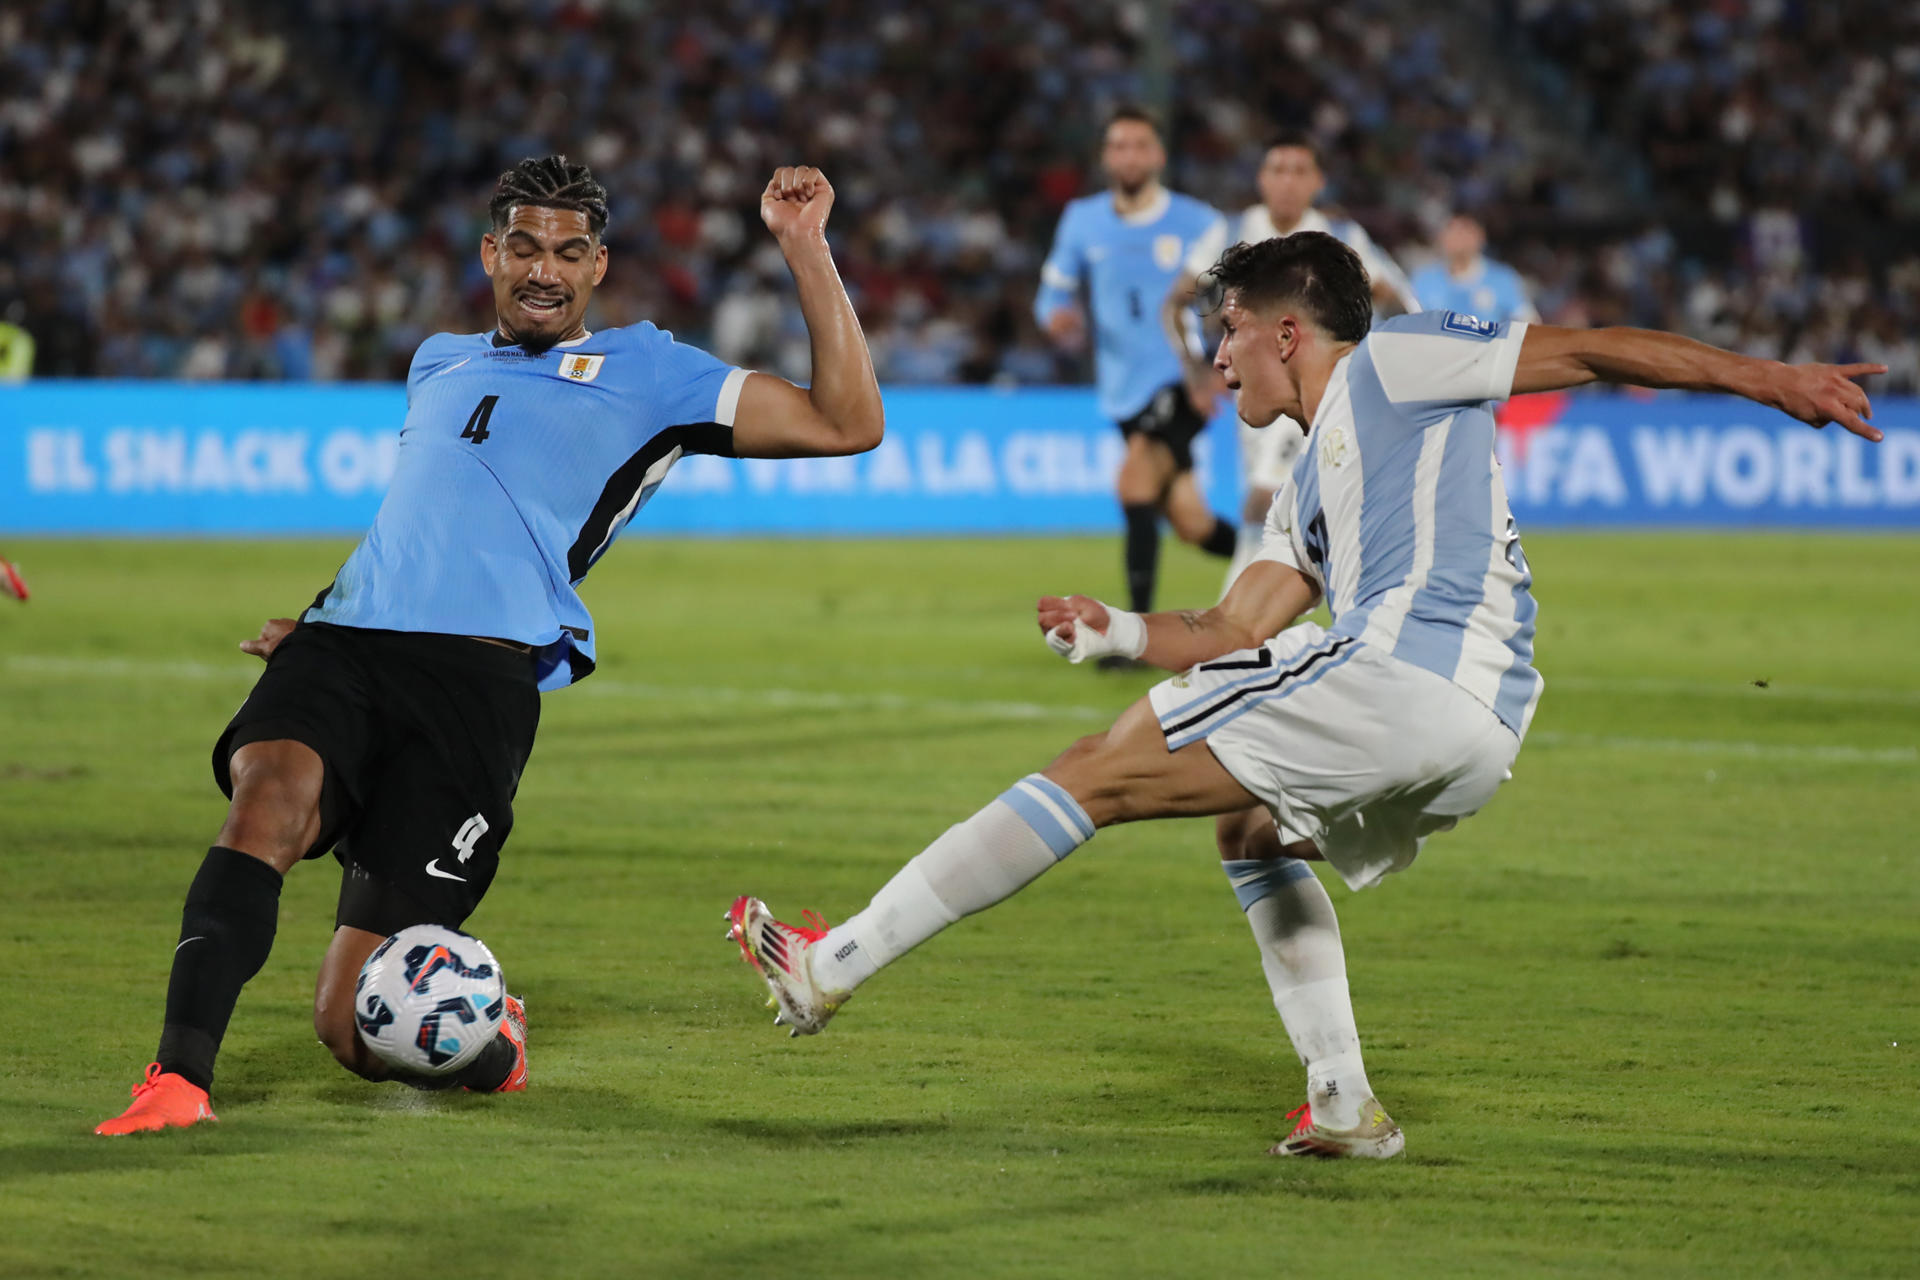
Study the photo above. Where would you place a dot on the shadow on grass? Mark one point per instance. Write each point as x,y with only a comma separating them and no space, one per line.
803,1133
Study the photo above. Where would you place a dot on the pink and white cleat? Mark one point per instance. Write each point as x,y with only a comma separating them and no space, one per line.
783,954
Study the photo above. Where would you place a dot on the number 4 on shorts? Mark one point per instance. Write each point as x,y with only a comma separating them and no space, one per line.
470,832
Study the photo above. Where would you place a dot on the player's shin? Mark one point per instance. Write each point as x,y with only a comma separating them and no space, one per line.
1298,935
1142,554
984,860
226,931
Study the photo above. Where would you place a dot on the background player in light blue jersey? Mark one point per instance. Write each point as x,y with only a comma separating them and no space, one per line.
1124,246
392,723
1359,740
1467,281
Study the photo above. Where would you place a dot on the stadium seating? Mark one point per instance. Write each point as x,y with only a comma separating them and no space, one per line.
221,190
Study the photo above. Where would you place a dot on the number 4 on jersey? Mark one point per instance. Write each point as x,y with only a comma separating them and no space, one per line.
477,424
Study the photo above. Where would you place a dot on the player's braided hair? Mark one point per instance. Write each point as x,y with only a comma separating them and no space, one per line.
1308,269
551,182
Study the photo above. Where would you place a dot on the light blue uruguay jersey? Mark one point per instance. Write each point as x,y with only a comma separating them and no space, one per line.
517,469
1492,290
1397,510
1128,265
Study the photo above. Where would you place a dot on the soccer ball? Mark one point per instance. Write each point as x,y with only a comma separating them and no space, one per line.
429,999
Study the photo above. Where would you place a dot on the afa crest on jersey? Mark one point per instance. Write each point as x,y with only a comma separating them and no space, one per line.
581,368
1333,448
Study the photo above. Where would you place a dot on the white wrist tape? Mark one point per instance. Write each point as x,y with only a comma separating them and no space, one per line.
1126,635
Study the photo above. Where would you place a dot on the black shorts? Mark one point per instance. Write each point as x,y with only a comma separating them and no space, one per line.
1170,419
423,738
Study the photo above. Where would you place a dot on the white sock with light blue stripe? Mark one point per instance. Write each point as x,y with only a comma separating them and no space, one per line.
1299,938
988,858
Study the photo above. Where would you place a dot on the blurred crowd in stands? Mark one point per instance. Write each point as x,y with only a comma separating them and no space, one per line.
1794,125
215,189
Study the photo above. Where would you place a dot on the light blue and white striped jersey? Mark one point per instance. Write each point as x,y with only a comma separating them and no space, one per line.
1491,290
1397,510
517,470
1128,265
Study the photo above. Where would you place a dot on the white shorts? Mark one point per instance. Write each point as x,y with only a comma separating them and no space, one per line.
1267,453
1351,748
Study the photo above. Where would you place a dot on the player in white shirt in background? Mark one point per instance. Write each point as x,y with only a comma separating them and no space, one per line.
1361,739
1290,180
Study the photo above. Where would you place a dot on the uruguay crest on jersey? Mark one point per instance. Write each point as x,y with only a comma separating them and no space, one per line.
581,367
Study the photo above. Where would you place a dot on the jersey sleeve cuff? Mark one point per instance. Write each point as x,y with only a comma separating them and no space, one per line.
1500,380
729,401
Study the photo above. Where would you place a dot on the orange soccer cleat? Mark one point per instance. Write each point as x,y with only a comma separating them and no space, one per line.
164,1100
515,1025
11,583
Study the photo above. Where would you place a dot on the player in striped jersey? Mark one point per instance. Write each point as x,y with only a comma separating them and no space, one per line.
1290,181
1361,739
392,723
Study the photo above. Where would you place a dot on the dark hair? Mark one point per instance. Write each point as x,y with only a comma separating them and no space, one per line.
1298,139
550,182
1308,269
1137,114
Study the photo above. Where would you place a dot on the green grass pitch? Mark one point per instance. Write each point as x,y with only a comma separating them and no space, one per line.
1655,1012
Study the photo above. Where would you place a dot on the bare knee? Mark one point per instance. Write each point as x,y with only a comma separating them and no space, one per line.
333,1024
1145,473
1239,837
1074,760
275,813
333,1009
1139,490
1190,526
1127,774
1081,748
1251,836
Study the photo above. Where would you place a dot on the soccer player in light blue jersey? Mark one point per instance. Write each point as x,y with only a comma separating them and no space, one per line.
1361,739
393,721
1124,246
1468,281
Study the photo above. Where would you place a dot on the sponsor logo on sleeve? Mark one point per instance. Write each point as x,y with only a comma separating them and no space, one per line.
1468,326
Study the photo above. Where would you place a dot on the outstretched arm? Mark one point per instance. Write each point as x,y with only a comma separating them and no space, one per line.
1552,358
841,412
1262,601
